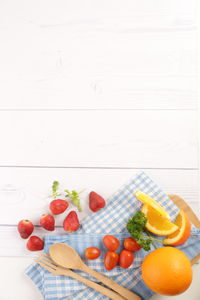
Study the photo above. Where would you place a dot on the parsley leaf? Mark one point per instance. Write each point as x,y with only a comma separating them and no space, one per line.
55,188
136,227
75,198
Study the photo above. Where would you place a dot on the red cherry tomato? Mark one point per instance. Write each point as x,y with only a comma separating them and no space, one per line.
126,258
131,245
111,242
92,253
111,259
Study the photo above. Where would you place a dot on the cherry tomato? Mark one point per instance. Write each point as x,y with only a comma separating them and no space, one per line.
131,245
111,242
92,253
126,258
111,259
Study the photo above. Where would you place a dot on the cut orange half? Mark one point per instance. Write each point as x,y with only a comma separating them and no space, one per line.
146,199
156,223
181,235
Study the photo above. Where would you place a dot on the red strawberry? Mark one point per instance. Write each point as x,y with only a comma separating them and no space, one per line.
71,222
35,243
58,206
25,228
96,202
47,221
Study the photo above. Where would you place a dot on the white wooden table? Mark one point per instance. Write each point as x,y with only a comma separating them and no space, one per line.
91,92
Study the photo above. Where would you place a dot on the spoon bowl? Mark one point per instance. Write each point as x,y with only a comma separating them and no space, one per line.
65,256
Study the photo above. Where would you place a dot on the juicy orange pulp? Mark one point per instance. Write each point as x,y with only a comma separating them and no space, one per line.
146,199
181,235
157,223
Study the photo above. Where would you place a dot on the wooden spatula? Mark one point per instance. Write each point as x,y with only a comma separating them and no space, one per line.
191,215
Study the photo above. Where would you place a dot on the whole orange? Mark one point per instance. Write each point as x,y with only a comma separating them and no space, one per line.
167,271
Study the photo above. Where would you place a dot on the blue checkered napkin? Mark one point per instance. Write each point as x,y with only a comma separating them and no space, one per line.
66,286
112,219
84,240
122,205
60,287
191,248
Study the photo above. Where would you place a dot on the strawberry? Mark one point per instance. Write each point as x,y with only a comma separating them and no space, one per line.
58,206
47,221
35,243
25,228
96,202
71,222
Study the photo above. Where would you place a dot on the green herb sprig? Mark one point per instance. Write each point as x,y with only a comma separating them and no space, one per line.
55,187
74,197
136,227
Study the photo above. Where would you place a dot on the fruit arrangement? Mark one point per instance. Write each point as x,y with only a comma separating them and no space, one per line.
159,268
58,206
166,270
111,257
154,219
125,258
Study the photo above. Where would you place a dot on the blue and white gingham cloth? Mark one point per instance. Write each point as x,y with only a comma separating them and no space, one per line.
112,219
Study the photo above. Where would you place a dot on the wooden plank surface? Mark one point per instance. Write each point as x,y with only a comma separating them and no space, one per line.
93,91
75,56
25,190
139,139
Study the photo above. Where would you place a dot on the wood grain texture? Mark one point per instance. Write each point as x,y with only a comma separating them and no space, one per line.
26,191
93,55
139,139
70,55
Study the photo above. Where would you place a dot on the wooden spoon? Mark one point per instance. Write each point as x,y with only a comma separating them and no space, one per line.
67,257
181,203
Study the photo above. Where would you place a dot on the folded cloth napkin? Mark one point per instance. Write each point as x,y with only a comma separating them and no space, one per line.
112,219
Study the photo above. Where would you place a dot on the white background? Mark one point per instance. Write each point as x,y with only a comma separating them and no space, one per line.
91,92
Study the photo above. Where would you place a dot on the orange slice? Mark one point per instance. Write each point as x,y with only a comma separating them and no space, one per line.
156,223
146,199
181,235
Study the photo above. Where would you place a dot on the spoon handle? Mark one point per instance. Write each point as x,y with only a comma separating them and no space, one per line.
187,209
99,288
127,294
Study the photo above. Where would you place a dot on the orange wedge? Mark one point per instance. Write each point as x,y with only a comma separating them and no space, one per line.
156,223
181,235
146,199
